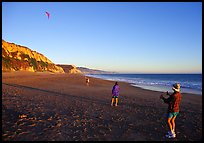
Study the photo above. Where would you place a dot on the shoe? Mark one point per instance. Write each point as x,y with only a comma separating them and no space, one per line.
116,105
170,135
111,104
169,132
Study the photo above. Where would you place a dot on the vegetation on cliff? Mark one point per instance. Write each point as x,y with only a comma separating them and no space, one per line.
20,58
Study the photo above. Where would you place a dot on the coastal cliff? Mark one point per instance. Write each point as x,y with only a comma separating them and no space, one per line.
85,70
20,58
72,69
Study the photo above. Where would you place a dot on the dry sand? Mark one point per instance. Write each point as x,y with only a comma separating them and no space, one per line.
60,107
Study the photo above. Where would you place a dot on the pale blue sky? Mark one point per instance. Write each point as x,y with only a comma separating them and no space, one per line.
133,37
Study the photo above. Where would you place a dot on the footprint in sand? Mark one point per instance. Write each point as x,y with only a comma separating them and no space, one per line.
49,119
33,119
41,121
21,124
23,133
32,125
23,116
59,125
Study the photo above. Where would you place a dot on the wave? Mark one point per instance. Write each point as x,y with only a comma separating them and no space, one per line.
188,86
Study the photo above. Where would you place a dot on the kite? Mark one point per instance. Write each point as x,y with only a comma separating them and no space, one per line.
48,14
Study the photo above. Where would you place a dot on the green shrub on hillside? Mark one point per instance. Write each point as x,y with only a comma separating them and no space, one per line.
33,63
43,64
6,61
23,56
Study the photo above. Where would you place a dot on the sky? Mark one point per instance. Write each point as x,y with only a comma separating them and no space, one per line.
124,37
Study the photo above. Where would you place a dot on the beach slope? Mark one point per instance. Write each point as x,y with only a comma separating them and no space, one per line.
60,107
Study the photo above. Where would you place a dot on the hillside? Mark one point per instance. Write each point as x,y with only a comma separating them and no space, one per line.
20,58
93,71
72,69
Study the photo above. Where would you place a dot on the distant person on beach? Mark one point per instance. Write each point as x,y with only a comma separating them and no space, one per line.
173,102
87,81
115,94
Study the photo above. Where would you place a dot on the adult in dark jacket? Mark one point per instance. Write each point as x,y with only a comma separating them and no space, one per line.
173,102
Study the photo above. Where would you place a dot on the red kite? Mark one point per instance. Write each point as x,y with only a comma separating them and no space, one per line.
48,15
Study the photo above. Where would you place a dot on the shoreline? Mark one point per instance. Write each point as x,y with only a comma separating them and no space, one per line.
159,88
164,89
60,107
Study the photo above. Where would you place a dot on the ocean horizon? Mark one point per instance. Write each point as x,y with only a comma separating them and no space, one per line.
190,83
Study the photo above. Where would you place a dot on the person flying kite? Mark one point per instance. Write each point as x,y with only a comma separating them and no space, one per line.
48,14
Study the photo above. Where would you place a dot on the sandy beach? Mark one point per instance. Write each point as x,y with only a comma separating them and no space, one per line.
60,107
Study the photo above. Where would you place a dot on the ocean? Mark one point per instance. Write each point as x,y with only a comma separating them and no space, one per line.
190,83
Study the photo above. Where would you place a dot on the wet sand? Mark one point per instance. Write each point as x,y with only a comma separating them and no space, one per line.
60,107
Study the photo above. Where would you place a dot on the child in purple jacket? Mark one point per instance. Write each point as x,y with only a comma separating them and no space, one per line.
115,94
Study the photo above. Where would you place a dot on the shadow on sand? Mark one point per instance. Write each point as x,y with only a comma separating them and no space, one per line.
85,99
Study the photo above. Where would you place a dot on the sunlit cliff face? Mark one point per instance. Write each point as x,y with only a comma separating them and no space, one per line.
20,58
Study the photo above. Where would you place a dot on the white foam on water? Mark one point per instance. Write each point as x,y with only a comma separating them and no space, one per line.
155,84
